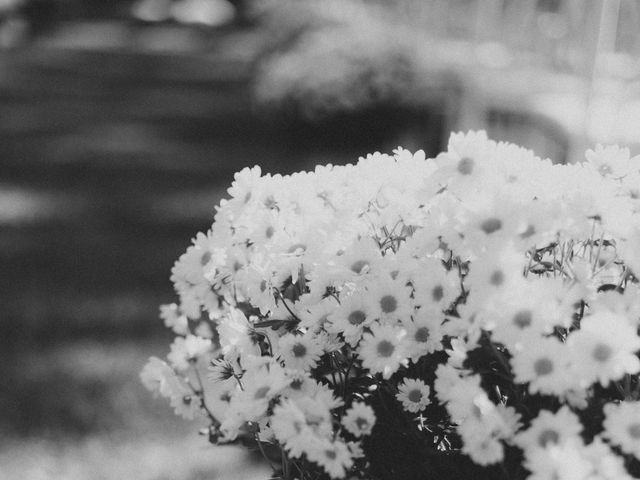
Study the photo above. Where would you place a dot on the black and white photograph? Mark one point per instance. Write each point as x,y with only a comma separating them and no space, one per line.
320,239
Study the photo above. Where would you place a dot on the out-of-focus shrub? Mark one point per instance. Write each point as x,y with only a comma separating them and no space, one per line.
324,57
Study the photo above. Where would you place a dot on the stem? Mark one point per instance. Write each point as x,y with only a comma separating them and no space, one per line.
333,379
595,262
200,394
346,377
264,454
623,277
620,390
266,337
627,387
284,302
593,231
636,391
500,357
503,467
526,272
285,466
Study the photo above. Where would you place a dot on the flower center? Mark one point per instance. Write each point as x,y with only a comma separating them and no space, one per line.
299,350
388,303
298,246
523,318
356,317
548,436
269,232
385,348
206,257
465,166
358,266
422,335
491,225
497,278
634,431
543,366
314,420
331,454
437,293
362,423
530,230
415,396
270,202
604,169
602,352
261,393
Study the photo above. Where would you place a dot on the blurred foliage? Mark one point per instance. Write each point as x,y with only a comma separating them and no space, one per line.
332,56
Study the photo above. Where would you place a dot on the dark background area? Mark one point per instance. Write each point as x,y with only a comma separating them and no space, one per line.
110,161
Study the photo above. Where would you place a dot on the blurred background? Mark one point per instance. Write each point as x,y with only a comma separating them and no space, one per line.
122,122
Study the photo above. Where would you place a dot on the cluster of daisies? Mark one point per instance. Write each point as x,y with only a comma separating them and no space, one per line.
483,302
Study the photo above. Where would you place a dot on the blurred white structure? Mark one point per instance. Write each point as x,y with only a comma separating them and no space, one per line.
554,75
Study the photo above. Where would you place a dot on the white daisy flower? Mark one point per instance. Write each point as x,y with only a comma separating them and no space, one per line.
491,276
158,377
301,425
604,348
389,299
424,334
359,419
259,386
173,318
235,334
622,426
334,457
382,350
575,460
484,451
314,316
528,311
466,398
447,377
299,352
351,317
244,184
360,258
609,161
185,350
544,364
549,429
466,159
413,394
562,461
434,288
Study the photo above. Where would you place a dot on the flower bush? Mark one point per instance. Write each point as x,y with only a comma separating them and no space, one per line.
469,316
322,58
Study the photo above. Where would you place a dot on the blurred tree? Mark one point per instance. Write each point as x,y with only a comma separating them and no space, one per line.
41,15
22,19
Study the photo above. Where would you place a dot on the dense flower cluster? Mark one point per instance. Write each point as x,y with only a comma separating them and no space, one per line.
479,307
